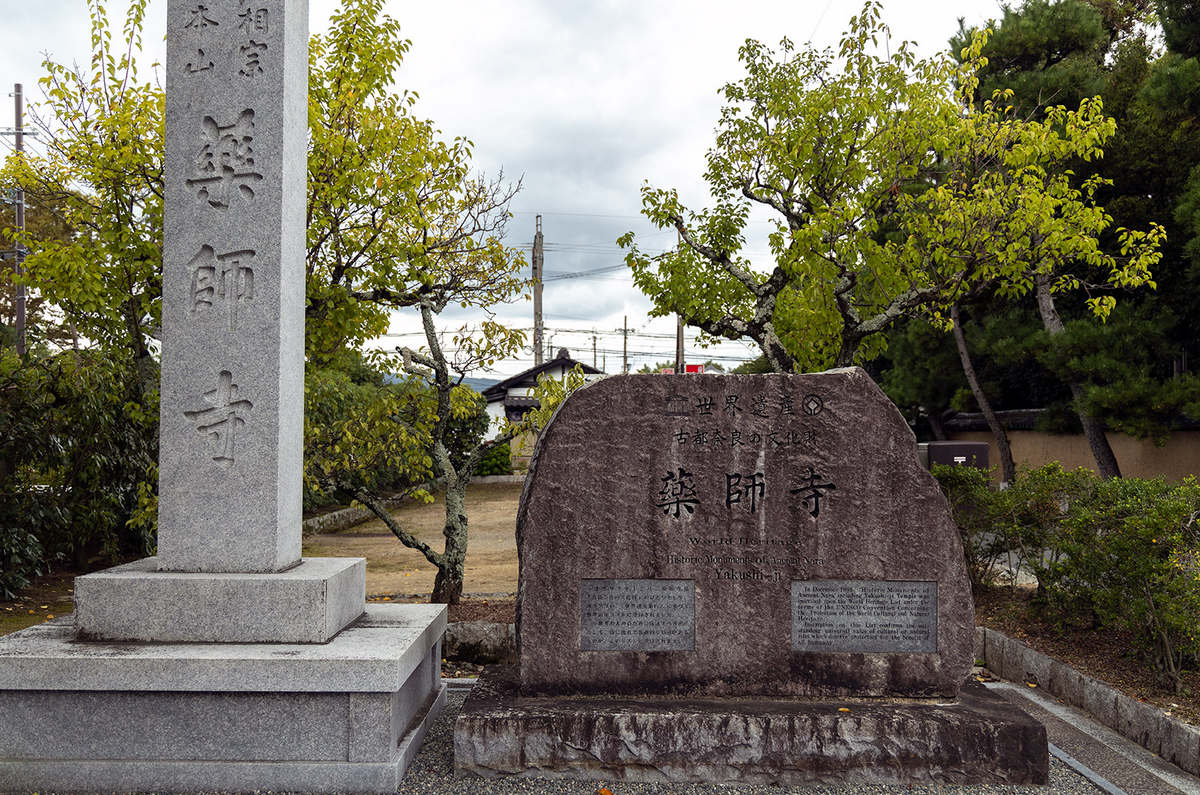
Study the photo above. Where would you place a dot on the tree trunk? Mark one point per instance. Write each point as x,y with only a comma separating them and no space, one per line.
937,426
849,349
448,585
1007,469
1106,460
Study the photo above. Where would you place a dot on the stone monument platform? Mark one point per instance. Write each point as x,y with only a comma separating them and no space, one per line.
975,738
344,716
744,579
308,603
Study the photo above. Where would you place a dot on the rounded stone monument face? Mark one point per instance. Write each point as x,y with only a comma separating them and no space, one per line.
712,535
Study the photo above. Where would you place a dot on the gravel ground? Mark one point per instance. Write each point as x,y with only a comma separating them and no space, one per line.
433,772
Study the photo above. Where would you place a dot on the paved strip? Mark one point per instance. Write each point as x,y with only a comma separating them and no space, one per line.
1118,762
1085,771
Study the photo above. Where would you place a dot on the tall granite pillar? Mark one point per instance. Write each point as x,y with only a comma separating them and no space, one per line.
232,403
243,666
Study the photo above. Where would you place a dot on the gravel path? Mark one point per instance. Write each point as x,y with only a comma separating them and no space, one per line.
433,772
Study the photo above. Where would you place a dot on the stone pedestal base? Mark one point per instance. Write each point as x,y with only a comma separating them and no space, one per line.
345,716
309,603
978,738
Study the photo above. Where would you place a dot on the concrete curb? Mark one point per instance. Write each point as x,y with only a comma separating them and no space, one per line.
1012,660
478,479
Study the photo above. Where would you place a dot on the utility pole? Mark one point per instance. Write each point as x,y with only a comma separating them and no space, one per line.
593,347
625,346
536,259
679,368
18,132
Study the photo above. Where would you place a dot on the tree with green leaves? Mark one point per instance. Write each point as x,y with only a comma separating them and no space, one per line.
398,222
1044,52
73,460
894,195
101,129
351,442
395,215
826,147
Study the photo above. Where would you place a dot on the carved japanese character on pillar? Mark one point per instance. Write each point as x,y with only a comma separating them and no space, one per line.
253,23
222,277
199,18
251,19
251,52
226,413
201,64
225,161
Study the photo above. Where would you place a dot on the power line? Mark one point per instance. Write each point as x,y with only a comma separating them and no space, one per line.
581,215
582,274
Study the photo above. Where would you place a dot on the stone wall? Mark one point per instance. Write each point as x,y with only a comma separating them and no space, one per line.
1175,460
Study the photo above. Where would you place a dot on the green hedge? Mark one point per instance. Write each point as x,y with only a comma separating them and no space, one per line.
1125,552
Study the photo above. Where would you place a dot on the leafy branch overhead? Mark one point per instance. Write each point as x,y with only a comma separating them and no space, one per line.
396,219
890,193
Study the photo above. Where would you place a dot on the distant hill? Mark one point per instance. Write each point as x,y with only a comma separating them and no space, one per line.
480,384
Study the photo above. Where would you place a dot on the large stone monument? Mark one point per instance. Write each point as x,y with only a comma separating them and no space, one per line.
740,578
227,661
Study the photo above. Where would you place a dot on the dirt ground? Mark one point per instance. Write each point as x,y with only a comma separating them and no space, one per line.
396,571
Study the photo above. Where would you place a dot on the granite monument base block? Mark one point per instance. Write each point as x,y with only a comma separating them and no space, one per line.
308,603
345,716
976,738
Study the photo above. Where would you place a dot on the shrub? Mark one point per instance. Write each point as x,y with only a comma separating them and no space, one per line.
75,450
496,461
1130,553
1126,552
982,515
1041,502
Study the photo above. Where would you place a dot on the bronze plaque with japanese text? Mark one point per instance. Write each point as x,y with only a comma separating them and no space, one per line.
637,615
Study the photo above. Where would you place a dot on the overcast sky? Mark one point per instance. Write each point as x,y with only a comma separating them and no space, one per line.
584,101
